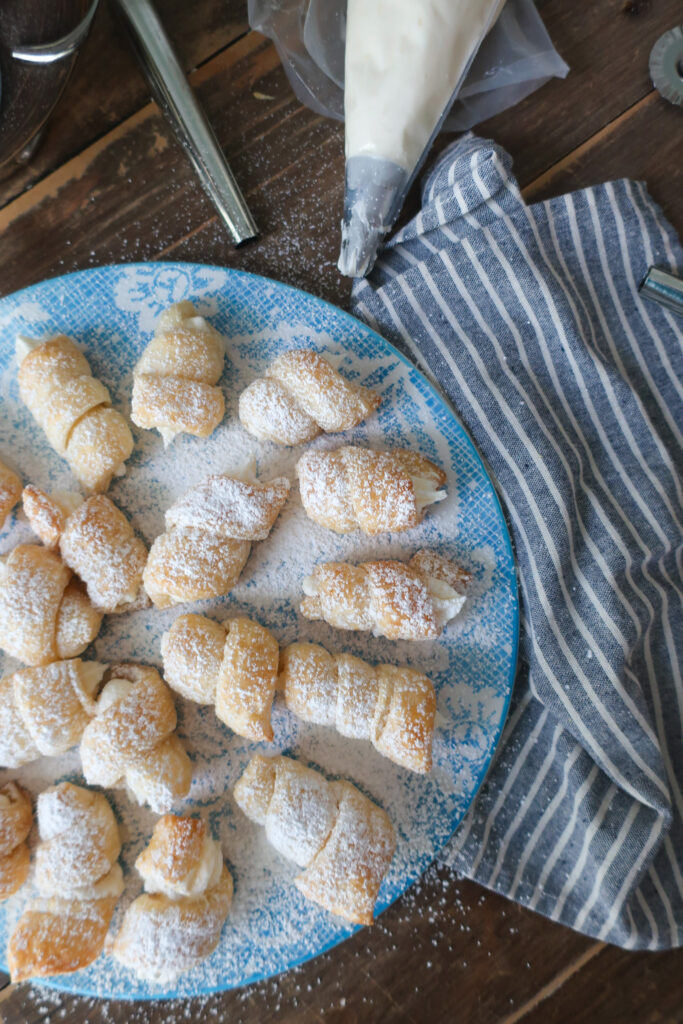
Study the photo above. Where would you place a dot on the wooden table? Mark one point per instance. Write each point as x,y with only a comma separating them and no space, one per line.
110,184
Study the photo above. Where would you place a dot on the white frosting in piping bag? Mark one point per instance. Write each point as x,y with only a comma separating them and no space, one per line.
404,59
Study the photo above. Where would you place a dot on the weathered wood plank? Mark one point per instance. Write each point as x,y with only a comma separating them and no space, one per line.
626,148
107,86
618,988
607,45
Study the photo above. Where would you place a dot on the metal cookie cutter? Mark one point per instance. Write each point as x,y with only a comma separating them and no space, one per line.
666,65
665,288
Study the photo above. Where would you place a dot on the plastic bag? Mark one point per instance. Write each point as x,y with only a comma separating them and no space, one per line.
515,58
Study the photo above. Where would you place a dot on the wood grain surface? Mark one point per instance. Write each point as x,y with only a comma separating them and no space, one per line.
109,184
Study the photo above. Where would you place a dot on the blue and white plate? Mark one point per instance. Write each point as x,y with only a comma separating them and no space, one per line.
112,312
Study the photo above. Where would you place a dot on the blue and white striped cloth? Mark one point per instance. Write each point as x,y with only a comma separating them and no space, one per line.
529,319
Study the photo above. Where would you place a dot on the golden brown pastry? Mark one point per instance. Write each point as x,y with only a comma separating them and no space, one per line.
10,491
131,740
79,881
208,537
96,541
300,397
16,818
392,706
342,839
177,922
412,601
233,666
360,489
74,409
44,710
174,380
45,615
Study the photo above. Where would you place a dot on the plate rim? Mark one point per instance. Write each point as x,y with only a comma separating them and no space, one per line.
54,983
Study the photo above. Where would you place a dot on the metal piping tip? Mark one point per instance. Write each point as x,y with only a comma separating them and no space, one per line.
172,92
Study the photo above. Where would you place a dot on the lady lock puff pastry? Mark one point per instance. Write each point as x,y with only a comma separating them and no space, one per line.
358,488
43,711
16,818
300,397
45,615
177,922
174,380
10,491
74,409
342,839
79,882
96,541
233,666
131,740
208,537
412,601
393,706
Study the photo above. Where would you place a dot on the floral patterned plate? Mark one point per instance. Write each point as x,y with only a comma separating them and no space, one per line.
112,311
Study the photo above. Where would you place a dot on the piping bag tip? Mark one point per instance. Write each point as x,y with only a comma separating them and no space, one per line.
373,193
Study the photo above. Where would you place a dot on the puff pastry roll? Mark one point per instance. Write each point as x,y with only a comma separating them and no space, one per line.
74,410
342,839
300,397
10,491
174,380
360,489
96,541
43,711
79,881
177,922
392,706
233,666
208,537
16,818
131,741
45,615
412,601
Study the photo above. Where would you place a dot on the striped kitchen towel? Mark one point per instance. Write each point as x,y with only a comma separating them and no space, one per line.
529,319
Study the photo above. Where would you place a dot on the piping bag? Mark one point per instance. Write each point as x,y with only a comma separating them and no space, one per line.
404,65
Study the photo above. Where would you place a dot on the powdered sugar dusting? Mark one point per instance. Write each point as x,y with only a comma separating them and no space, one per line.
112,312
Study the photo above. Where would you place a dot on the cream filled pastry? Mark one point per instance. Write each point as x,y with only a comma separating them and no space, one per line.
131,740
177,921
343,841
45,614
300,397
401,601
74,409
361,489
78,880
10,491
174,381
208,537
16,818
96,541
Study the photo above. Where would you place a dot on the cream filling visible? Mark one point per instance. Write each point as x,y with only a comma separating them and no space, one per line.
310,587
447,601
167,435
23,346
205,875
112,693
90,677
425,493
